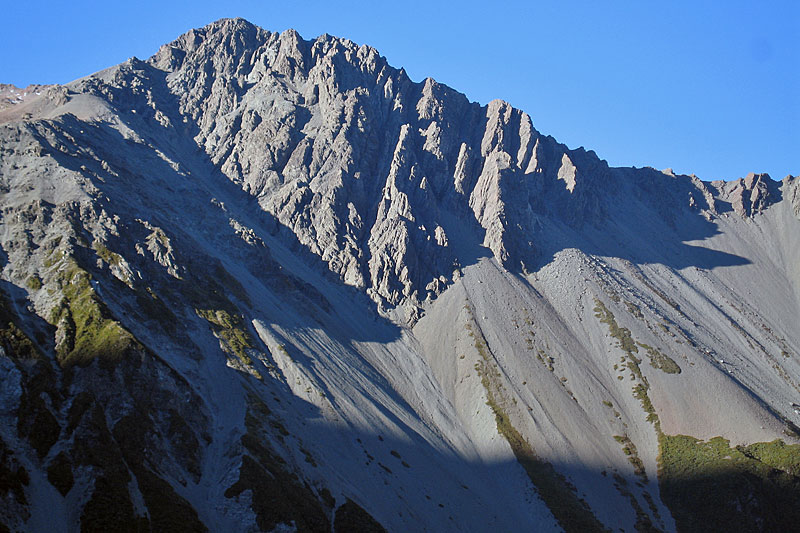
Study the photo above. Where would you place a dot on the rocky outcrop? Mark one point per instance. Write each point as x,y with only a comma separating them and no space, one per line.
750,195
13,96
369,171
189,246
364,167
791,188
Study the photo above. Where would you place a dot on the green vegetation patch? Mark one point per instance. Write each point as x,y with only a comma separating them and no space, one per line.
230,330
660,360
776,454
623,335
107,255
629,346
211,303
640,393
34,283
629,449
572,513
16,344
85,326
710,486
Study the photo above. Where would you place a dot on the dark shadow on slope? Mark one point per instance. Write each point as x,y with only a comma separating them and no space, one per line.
187,204
198,226
755,490
711,486
640,215
750,495
195,204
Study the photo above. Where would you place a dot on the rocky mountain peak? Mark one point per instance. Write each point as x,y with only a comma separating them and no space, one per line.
369,171
333,141
193,249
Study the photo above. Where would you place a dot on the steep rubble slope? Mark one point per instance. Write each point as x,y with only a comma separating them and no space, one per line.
257,281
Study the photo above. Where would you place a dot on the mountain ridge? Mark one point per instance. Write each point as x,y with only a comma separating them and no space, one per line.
256,281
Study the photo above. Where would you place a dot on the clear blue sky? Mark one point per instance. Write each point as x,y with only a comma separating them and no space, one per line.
711,88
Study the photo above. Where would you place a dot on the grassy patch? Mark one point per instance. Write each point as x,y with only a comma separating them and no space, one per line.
660,360
230,330
629,346
710,486
640,393
34,283
572,513
623,335
629,448
14,341
211,303
776,454
85,328
107,255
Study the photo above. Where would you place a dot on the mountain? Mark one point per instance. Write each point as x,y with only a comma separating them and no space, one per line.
259,283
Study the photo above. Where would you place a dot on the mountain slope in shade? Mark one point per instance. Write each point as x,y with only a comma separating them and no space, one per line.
257,282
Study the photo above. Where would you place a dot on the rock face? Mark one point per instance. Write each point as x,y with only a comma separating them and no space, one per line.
260,283
750,195
366,169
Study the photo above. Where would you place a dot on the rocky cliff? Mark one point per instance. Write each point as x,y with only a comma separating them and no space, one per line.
259,282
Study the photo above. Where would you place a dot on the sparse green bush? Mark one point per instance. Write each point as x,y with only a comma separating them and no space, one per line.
710,486
89,330
34,283
660,360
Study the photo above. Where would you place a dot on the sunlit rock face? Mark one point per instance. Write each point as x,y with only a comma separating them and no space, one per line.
260,283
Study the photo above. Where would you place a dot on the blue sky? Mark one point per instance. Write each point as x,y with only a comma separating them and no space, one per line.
710,88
